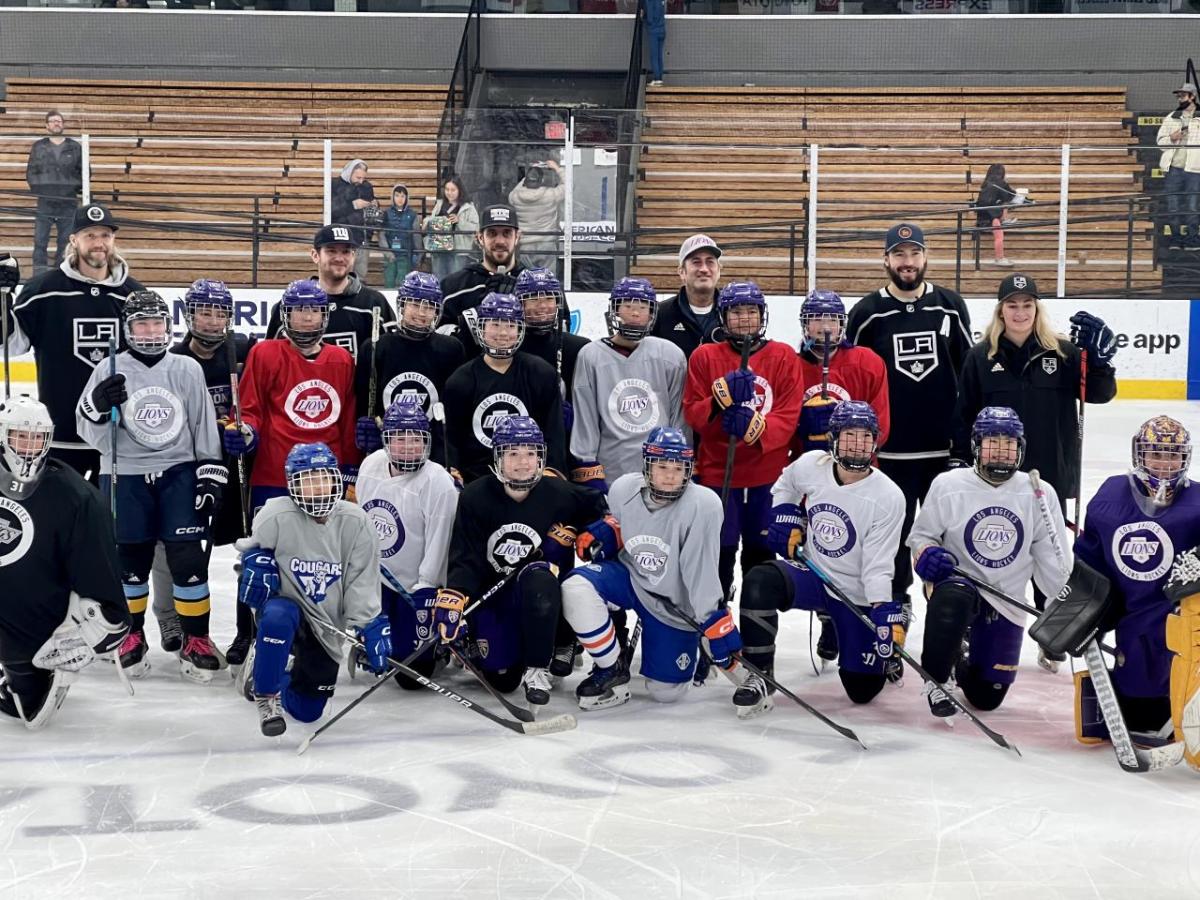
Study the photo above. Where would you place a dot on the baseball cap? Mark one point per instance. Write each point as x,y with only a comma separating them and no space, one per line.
91,215
1187,86
698,242
1016,283
904,233
500,215
336,234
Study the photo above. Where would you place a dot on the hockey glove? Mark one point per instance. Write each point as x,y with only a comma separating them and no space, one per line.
259,580
239,442
736,388
105,395
568,416
721,638
1089,333
935,564
376,636
891,622
448,616
501,284
85,633
600,541
97,630
10,272
424,598
456,477
743,423
211,479
814,422
788,528
590,474
367,436
350,483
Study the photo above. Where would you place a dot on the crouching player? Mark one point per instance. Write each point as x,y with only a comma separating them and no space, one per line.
310,569
57,544
985,521
846,515
660,544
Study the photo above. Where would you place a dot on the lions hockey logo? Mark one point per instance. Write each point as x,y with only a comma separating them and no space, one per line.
411,384
491,411
633,406
831,530
915,353
1142,551
835,390
313,404
388,527
650,556
91,339
764,397
993,537
16,531
509,544
153,416
316,577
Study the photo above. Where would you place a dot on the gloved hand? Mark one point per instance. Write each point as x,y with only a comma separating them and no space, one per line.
239,442
788,528
259,578
10,272
456,477
814,421
600,541
590,474
376,636
211,479
1089,333
108,393
743,423
350,483
935,564
500,284
448,616
1184,580
424,598
721,637
734,388
568,416
891,622
367,436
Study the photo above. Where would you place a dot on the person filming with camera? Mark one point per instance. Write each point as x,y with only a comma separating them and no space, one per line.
537,198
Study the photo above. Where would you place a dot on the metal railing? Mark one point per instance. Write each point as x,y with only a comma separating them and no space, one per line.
460,91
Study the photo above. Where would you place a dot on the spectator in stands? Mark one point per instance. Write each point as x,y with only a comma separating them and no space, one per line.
55,176
400,235
1180,135
537,198
351,194
656,27
991,209
450,229
689,319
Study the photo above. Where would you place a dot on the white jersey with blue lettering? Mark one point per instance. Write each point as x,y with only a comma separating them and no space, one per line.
853,529
998,534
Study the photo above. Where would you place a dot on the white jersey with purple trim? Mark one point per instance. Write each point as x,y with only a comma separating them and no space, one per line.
998,534
412,514
853,529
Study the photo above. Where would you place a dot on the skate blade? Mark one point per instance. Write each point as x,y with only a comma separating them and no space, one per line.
195,674
273,728
758,709
617,696
137,670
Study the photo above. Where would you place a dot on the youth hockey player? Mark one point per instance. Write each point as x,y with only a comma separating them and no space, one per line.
661,540
501,525
986,521
846,515
60,592
169,477
547,331
312,556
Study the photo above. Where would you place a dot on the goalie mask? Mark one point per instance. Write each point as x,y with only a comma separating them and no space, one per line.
314,480
1162,452
667,464
208,312
822,314
499,325
303,300
733,307
632,309
997,443
542,300
419,303
25,434
147,323
518,453
406,435
853,453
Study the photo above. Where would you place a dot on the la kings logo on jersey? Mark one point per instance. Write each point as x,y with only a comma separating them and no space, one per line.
91,339
347,340
633,406
650,556
313,404
388,527
994,536
832,531
411,384
16,531
316,577
491,411
915,353
1142,551
153,416
509,544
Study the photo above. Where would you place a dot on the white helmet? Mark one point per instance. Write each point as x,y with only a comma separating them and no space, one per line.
25,434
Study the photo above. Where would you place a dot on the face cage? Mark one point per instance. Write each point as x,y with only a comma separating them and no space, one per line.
407,465
206,340
304,338
496,352
1160,489
148,346
25,467
518,484
853,463
415,331
996,472
630,332
550,325
689,466
819,343
738,338
317,507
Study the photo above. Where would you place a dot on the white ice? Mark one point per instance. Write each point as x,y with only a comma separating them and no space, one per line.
174,793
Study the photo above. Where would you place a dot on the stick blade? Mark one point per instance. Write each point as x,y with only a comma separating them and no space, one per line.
553,725
304,744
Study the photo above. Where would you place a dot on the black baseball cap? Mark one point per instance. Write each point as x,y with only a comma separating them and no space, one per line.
1016,283
91,215
336,234
904,233
501,215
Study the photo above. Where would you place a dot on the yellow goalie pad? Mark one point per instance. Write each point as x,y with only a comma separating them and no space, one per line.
1183,639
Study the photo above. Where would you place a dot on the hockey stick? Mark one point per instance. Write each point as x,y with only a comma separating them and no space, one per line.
841,596
4,298
631,645
825,368
743,366
235,407
1078,524
112,430
374,379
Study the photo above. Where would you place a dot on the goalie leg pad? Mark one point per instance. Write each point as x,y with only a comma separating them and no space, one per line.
1074,618
1183,640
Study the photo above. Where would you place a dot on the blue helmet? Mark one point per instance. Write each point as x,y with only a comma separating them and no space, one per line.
213,297
667,445
631,290
405,418
742,293
499,308
426,291
1163,475
540,283
829,312
847,416
303,294
511,433
997,421
314,480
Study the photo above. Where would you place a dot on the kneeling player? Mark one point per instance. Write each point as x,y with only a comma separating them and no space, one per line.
985,521
662,542
312,558
58,543
846,515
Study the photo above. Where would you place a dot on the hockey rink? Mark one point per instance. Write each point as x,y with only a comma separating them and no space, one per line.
174,793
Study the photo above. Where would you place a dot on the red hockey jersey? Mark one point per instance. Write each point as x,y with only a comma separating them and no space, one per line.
855,373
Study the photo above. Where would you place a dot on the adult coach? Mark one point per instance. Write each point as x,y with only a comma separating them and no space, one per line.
690,318
68,316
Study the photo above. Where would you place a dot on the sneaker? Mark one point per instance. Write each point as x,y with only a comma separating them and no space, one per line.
563,662
939,700
132,654
1003,261
170,633
270,714
199,659
656,82
537,686
753,697
827,643
1050,661
605,687
1011,220
239,649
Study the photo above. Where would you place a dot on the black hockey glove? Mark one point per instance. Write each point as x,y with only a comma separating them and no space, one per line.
501,283
211,479
105,395
10,272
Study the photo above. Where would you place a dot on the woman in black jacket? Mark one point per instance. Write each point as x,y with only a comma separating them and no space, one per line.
991,209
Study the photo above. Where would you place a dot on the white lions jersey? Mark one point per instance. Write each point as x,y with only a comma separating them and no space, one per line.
998,534
853,529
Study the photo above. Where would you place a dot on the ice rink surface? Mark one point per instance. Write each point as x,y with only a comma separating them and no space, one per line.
174,793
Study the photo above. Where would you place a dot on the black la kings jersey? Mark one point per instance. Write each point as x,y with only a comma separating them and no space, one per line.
922,343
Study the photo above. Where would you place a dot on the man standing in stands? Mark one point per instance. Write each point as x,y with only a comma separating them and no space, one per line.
1179,136
690,319
55,176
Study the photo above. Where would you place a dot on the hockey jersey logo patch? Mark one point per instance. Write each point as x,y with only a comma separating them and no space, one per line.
491,411
650,556
1049,364
347,340
16,531
316,577
993,537
831,530
411,384
313,404
1142,551
633,406
388,526
154,416
509,544
915,353
764,397
91,339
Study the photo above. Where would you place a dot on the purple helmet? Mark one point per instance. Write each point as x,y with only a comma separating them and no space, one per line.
847,416
499,308
404,419
671,445
426,291
1162,452
538,283
823,305
303,294
997,421
514,432
742,293
213,297
631,290
314,480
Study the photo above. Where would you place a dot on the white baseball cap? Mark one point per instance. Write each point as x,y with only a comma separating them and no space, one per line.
698,242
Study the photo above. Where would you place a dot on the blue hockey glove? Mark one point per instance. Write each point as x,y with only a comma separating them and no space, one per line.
891,622
721,637
367,436
785,534
259,579
449,617
814,421
424,598
239,442
599,541
376,636
736,388
935,564
743,423
1089,333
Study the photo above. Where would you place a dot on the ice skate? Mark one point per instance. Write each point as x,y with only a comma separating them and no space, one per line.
270,714
537,686
753,697
132,654
170,632
939,701
200,659
605,687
